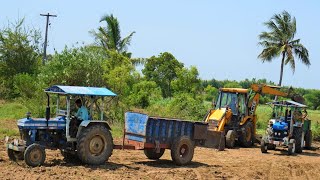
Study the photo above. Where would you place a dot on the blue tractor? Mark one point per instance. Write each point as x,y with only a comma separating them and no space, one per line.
88,140
289,127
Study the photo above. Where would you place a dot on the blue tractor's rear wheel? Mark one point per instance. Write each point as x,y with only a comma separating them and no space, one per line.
95,145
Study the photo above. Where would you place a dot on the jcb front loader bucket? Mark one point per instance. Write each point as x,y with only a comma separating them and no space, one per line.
215,139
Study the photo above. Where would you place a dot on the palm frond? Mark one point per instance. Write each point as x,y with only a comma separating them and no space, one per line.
125,42
302,53
269,53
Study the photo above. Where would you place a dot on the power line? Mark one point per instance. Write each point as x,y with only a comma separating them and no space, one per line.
46,37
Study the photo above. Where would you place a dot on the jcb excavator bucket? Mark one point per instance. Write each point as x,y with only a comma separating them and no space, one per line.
215,139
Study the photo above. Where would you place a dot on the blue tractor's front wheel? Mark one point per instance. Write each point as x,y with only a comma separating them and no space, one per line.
34,155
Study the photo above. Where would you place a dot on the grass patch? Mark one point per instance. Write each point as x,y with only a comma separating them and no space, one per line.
8,132
12,111
117,130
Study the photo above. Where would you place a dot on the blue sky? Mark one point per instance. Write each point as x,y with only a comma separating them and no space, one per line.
218,37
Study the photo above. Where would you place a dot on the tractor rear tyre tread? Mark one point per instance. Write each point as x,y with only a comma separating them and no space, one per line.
264,147
291,147
34,155
94,145
246,138
152,153
182,150
308,139
297,135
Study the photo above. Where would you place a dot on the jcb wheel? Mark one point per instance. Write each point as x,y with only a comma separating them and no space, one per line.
95,145
152,153
182,150
34,155
230,138
247,136
291,147
297,135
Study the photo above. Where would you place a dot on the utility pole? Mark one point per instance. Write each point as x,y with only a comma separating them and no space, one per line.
46,37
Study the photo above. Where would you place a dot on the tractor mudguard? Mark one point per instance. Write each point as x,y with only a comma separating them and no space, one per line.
86,123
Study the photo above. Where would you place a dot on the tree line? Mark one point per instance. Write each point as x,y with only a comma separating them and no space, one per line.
165,86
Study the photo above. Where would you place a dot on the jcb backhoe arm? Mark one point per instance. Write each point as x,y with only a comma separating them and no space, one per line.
260,89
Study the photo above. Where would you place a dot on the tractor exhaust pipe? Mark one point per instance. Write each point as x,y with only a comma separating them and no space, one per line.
48,110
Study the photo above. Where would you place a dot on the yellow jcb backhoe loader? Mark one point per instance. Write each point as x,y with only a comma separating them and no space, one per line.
233,117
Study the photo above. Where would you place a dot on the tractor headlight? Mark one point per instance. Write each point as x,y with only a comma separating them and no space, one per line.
6,139
16,142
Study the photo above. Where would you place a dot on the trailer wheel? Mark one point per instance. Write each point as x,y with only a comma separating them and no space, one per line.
264,147
34,155
230,138
297,135
15,155
247,136
95,145
308,139
291,147
152,153
182,150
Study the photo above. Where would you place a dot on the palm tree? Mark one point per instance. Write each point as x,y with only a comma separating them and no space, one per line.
279,41
109,37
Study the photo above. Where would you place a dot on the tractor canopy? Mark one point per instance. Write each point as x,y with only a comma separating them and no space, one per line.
63,112
80,90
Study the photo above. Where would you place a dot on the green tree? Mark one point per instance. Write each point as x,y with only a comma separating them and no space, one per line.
211,93
313,99
187,81
280,41
143,93
75,66
109,37
19,53
232,84
162,70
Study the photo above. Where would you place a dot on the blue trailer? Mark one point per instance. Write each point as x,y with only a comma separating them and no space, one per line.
155,134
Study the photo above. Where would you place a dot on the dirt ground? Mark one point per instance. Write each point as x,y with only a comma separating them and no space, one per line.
239,163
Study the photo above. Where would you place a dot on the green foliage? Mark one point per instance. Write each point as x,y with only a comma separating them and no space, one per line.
12,111
109,37
76,66
233,84
279,41
162,70
19,53
25,85
211,93
143,93
182,106
264,114
187,81
188,107
313,99
118,73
